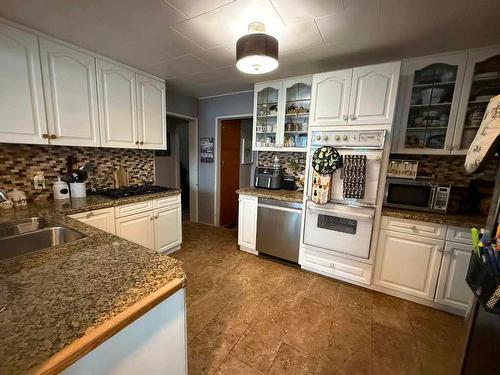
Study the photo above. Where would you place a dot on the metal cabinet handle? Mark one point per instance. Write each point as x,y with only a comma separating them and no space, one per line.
157,216
151,218
141,142
413,228
45,136
136,142
90,214
441,250
345,117
53,136
353,117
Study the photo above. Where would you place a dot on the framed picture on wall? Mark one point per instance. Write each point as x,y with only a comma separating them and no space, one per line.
207,150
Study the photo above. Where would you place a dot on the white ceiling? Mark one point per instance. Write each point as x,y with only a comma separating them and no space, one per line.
191,43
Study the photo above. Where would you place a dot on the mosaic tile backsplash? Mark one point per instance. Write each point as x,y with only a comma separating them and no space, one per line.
20,163
294,162
448,169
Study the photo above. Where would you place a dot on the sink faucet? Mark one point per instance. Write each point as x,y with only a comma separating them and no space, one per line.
3,196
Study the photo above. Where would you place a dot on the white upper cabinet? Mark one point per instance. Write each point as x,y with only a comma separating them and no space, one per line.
359,96
117,105
428,103
297,103
373,94
22,108
481,83
69,78
267,115
152,113
330,98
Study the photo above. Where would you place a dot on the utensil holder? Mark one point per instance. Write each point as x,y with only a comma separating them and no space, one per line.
77,189
484,283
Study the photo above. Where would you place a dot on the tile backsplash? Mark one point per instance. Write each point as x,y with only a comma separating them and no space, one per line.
20,163
294,162
448,169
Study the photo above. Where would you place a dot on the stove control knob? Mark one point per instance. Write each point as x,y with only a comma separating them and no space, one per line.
337,137
318,137
325,138
345,138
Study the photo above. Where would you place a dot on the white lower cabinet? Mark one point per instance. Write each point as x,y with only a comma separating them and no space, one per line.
247,222
138,228
103,219
168,228
452,290
408,264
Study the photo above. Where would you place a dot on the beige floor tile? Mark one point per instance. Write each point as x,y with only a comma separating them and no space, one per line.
394,352
391,312
232,366
323,291
309,328
292,361
260,342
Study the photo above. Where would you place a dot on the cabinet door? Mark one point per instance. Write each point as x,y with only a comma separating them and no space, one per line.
267,116
137,228
373,94
152,113
247,221
481,83
168,228
452,290
408,263
297,101
430,103
117,105
330,98
69,81
101,219
22,109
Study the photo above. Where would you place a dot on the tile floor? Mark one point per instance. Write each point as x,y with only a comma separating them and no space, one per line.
250,315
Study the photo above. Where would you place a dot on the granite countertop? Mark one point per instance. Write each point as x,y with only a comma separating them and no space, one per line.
281,194
458,220
57,295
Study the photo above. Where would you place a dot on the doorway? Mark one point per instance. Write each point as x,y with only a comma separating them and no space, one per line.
177,166
234,166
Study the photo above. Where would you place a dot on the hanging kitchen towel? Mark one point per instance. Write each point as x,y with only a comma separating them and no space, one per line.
354,176
325,161
487,139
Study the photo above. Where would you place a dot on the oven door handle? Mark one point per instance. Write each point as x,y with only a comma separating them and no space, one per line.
344,214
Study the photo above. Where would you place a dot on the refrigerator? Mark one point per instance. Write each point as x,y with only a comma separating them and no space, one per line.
481,354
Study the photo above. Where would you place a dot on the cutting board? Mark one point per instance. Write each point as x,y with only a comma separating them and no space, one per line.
121,177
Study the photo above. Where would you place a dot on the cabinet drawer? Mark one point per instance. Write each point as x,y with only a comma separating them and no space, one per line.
167,201
338,267
419,228
133,208
459,234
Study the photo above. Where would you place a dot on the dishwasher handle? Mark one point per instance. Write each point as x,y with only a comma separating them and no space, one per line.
279,208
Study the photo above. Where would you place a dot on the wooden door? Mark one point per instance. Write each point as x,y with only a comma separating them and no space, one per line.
229,171
168,228
452,290
70,87
151,113
138,228
409,264
330,98
22,109
373,94
117,105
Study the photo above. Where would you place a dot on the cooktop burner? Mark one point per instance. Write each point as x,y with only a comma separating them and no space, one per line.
131,191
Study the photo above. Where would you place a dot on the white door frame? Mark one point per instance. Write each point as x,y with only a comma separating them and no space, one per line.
193,163
217,146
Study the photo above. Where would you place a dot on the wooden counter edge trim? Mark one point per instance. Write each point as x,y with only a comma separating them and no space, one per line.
80,347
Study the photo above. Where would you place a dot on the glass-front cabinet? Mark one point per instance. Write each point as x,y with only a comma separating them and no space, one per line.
429,103
281,114
481,83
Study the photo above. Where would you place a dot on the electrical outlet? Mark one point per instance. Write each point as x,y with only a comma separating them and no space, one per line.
39,181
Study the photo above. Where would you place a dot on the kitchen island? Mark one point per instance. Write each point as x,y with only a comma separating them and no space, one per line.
64,302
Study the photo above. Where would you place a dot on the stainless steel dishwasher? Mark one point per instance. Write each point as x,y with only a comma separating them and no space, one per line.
278,228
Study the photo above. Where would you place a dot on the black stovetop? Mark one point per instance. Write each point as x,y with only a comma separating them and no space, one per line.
130,191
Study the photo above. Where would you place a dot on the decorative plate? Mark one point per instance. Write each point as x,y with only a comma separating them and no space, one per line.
326,160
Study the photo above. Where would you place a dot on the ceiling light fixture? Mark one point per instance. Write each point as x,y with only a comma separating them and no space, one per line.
257,52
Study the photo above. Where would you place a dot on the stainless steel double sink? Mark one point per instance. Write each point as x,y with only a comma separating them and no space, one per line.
24,236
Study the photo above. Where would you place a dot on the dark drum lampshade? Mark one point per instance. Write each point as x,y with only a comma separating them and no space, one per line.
257,53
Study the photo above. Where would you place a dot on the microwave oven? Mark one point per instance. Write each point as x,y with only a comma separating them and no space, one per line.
416,195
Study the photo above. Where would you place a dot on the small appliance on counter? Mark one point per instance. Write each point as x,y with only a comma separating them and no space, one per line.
60,189
270,177
416,195
402,169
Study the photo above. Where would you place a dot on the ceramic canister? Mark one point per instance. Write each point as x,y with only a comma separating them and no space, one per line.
78,189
